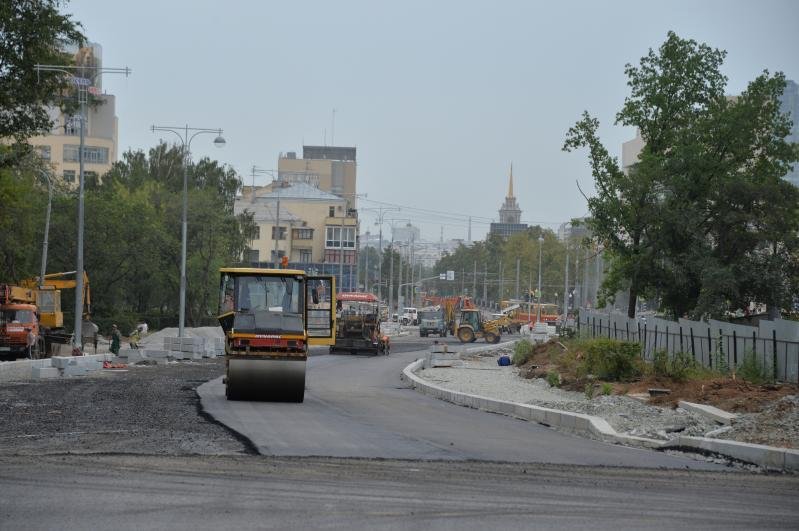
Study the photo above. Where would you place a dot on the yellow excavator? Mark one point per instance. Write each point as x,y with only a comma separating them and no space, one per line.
270,317
471,326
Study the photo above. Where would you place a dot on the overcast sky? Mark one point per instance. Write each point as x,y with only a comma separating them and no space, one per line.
439,97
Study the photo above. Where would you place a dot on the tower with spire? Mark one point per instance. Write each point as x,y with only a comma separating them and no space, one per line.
510,214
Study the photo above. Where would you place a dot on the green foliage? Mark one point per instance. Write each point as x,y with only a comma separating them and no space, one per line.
590,390
752,371
31,32
703,218
522,351
607,389
612,360
132,236
680,367
553,379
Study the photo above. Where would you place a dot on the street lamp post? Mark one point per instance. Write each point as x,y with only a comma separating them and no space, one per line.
540,254
46,227
185,140
77,75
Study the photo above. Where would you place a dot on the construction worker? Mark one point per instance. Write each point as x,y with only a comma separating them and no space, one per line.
116,338
30,342
134,338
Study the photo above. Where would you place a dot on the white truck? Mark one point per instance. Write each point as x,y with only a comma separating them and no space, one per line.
409,316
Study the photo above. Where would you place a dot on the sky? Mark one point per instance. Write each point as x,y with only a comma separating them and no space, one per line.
439,97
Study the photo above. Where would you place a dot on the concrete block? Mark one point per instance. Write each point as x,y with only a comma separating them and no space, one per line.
552,418
74,370
136,356
506,408
582,423
537,414
567,420
90,365
521,411
61,361
792,460
197,355
45,372
156,354
123,352
713,413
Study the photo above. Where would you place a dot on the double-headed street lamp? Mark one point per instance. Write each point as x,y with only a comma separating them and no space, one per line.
540,253
84,85
188,134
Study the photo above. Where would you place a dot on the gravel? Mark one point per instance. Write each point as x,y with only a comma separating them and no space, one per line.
480,375
149,409
776,425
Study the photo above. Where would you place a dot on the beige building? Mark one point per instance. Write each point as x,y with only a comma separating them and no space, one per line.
62,146
313,228
329,168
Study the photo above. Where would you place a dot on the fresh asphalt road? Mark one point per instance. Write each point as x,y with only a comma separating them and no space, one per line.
357,406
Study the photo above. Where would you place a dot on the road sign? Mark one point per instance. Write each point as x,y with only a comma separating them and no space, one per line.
442,276
450,275
82,81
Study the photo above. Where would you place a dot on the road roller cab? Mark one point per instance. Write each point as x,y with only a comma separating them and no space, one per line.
270,317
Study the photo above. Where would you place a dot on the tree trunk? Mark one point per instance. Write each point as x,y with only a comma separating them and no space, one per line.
632,302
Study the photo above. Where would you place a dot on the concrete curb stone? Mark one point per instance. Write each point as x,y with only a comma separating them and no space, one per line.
764,456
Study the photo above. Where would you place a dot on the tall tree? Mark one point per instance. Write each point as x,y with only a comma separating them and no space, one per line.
31,32
682,222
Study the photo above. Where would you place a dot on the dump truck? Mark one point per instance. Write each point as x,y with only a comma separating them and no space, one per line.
471,327
18,315
432,321
358,325
270,317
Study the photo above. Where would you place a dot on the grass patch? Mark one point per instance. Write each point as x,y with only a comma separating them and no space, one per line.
522,351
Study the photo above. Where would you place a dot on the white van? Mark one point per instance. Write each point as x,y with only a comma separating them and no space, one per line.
410,316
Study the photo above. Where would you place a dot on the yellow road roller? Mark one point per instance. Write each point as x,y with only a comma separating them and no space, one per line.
270,317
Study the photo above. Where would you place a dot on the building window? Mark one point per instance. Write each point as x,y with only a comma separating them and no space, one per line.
331,212
91,154
69,176
278,255
302,234
278,233
44,152
252,256
334,239
257,235
305,256
72,126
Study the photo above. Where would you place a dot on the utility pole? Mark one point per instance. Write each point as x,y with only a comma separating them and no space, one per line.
77,76
566,285
518,263
500,279
485,282
474,280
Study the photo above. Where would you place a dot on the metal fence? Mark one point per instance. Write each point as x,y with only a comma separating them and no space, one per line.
774,344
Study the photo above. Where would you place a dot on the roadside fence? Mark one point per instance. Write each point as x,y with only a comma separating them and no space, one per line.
775,344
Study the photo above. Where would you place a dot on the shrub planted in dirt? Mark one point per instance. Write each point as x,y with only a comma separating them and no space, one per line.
679,368
607,389
751,370
522,351
553,379
589,390
612,360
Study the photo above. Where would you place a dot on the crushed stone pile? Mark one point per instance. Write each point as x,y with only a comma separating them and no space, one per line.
480,375
776,425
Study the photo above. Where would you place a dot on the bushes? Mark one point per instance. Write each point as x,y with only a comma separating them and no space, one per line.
612,360
522,351
679,368
751,371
